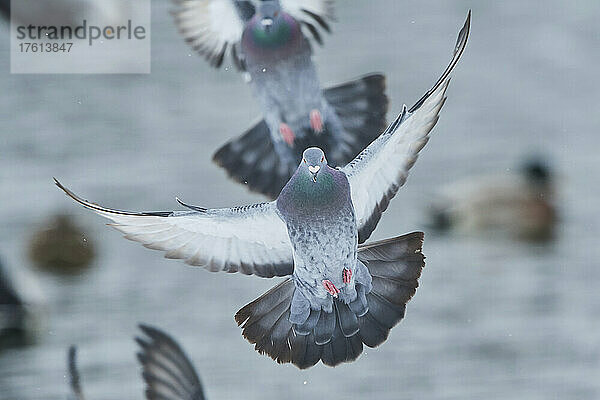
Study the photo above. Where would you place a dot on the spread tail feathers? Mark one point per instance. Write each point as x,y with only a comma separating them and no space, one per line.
395,266
360,105
168,373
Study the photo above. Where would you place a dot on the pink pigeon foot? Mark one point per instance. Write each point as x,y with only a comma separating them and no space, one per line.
316,121
347,275
330,287
287,133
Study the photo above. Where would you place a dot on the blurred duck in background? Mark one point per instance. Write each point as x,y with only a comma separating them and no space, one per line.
20,308
167,371
520,204
267,39
61,246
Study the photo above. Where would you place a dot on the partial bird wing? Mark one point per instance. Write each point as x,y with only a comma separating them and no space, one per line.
252,239
376,174
74,380
168,373
212,27
312,14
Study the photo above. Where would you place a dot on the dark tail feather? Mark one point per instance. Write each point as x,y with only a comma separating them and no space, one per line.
395,266
252,160
168,373
74,380
361,106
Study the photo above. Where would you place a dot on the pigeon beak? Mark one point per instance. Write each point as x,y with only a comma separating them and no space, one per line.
267,23
314,170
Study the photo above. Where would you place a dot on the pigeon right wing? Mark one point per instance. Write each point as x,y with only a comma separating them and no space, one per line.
376,174
252,239
168,373
213,26
312,14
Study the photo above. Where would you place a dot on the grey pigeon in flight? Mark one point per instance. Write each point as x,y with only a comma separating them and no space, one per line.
167,371
342,293
267,40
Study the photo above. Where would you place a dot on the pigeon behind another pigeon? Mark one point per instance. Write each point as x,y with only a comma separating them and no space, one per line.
342,293
268,42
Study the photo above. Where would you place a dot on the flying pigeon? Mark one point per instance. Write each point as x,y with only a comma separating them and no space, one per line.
167,371
342,293
268,42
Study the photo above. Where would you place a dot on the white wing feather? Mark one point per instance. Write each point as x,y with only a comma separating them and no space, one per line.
323,8
250,240
313,14
209,26
376,174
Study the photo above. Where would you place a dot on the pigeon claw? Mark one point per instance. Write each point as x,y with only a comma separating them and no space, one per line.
347,275
330,287
287,133
316,121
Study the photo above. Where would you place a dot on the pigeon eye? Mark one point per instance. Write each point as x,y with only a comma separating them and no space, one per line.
322,158
304,159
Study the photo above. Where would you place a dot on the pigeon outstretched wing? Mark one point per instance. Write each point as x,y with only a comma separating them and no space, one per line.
376,174
212,27
252,239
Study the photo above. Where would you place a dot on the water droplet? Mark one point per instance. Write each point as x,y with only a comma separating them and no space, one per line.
264,70
304,383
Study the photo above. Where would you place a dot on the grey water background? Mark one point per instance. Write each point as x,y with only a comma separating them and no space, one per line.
493,318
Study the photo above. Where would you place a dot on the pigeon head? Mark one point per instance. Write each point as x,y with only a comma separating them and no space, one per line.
271,27
313,161
270,15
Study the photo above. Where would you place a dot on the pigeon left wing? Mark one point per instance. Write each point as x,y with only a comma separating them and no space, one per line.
168,373
312,14
376,174
252,239
212,27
